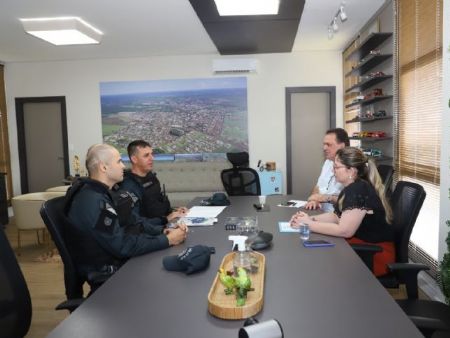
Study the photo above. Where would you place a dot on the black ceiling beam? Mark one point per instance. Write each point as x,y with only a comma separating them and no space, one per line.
251,34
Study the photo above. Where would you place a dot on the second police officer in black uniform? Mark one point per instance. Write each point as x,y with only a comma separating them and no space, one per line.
143,183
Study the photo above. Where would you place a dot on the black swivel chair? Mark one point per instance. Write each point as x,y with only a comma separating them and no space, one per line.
387,174
240,180
15,302
407,200
52,212
432,318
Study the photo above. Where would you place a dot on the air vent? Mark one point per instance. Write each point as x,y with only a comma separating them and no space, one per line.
234,66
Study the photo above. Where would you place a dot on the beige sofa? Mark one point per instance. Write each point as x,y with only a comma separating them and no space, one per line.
186,180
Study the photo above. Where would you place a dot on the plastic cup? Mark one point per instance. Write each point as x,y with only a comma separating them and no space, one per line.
262,200
304,231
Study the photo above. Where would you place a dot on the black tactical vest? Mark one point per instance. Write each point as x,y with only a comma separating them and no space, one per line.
154,201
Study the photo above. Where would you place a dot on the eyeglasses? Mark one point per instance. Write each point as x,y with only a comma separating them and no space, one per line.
335,167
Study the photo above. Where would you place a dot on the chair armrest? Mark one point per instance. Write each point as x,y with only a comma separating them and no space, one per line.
366,253
407,274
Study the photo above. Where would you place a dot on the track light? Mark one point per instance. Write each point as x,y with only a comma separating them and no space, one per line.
342,14
330,33
333,27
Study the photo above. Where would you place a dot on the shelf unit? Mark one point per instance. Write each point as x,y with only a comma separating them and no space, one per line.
369,101
372,41
368,65
366,120
363,85
371,139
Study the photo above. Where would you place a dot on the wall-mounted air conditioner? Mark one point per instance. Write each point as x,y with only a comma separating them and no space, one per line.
233,66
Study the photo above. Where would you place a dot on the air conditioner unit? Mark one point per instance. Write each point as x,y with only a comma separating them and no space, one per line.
233,66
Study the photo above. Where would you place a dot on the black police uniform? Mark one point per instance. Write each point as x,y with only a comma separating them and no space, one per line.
103,232
151,201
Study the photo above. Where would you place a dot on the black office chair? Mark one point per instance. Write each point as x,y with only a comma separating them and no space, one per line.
240,180
387,174
15,302
52,212
432,318
407,200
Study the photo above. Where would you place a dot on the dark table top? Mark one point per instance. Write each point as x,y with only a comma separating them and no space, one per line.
312,292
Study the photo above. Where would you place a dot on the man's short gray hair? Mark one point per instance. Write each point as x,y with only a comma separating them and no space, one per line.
96,154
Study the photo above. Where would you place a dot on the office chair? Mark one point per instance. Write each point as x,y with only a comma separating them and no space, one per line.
52,212
387,174
407,200
240,180
15,301
432,318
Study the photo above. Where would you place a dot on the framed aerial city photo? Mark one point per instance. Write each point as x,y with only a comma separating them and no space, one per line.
186,119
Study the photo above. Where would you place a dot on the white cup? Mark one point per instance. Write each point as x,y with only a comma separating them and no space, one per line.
262,200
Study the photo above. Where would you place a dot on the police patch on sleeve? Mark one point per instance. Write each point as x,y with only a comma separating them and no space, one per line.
106,220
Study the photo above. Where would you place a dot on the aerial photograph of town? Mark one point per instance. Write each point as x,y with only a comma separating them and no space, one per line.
204,118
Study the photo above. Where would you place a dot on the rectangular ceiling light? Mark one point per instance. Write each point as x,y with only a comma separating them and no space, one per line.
63,30
247,7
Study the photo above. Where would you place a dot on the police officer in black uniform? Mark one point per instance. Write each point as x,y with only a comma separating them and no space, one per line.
102,232
143,183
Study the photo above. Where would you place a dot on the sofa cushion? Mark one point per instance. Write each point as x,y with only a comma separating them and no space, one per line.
191,176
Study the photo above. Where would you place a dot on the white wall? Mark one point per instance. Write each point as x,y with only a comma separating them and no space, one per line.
445,149
79,81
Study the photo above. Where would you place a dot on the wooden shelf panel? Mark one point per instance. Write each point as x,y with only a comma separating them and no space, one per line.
369,101
363,85
369,63
369,120
373,40
371,139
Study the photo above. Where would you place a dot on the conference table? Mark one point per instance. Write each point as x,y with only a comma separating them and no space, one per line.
313,292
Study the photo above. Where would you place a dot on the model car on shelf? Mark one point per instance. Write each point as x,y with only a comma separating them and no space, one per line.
373,152
369,134
380,113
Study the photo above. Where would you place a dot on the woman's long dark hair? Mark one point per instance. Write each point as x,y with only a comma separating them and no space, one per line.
352,157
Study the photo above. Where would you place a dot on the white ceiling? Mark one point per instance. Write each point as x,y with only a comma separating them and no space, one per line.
140,28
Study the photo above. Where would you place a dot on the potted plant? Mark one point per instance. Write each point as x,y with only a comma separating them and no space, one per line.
445,270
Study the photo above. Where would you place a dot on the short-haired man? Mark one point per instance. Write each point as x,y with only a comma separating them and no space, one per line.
143,183
103,232
326,191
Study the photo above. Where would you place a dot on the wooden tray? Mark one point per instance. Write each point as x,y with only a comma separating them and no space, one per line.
224,306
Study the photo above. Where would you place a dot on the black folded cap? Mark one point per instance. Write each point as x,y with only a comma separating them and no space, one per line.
190,260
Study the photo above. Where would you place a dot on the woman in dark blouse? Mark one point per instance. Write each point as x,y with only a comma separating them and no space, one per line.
362,213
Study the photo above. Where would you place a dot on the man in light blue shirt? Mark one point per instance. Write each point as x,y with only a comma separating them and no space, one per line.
326,191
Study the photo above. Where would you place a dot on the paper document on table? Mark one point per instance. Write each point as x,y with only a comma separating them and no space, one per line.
286,227
207,212
198,221
293,204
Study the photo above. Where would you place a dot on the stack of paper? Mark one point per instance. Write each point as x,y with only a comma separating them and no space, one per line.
207,212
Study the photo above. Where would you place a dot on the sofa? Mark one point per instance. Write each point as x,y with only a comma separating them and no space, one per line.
184,181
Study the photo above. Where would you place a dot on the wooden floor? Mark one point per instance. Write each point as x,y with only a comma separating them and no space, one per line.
45,281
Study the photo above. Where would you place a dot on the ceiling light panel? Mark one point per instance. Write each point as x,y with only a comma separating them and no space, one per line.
247,7
63,30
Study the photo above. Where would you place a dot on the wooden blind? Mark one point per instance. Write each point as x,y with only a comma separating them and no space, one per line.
5,160
419,48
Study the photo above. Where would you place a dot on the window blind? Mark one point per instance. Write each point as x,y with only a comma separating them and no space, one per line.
418,87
